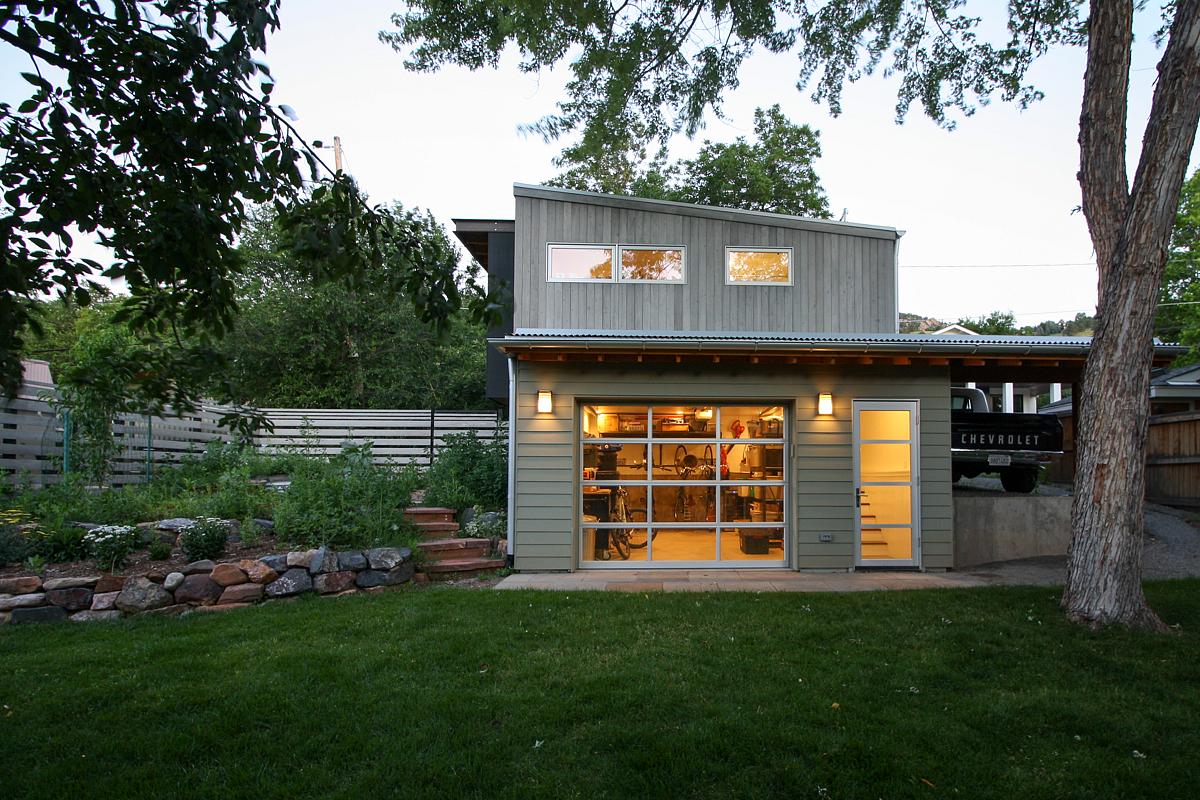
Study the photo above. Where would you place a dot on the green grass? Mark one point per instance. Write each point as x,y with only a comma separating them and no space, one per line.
446,692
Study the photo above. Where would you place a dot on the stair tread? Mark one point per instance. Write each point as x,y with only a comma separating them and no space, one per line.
464,564
429,510
463,543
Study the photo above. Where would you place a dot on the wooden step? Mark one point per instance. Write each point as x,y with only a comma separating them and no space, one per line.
455,567
419,514
436,530
444,549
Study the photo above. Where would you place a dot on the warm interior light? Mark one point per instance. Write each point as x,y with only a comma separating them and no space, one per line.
545,402
704,413
825,404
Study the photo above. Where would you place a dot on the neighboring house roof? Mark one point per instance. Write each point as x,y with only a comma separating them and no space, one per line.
953,329
36,371
884,343
1178,383
710,212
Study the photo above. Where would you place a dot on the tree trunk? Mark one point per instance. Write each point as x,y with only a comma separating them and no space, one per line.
1131,232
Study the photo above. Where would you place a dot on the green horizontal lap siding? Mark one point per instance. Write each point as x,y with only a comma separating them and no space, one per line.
821,467
843,277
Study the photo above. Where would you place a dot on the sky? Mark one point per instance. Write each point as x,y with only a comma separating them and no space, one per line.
999,190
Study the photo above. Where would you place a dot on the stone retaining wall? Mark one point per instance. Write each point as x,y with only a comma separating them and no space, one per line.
204,585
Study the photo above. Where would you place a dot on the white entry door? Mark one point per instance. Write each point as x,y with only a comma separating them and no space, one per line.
887,483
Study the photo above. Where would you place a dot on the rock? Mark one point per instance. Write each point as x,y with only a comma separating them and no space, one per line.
38,614
23,601
204,566
158,574
75,599
96,616
104,601
242,593
175,524
172,581
387,557
294,581
257,571
70,583
142,594
25,585
5,616
374,577
85,526
233,530
300,558
330,582
109,583
352,559
323,560
228,575
276,562
420,577
199,589
170,611
268,526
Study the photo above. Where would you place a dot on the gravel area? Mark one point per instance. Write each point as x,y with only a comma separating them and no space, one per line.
1171,550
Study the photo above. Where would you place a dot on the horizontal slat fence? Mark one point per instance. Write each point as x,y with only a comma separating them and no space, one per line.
32,442
397,436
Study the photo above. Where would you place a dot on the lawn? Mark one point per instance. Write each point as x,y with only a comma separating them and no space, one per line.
447,692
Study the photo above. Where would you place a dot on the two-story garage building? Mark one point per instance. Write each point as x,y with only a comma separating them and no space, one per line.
704,387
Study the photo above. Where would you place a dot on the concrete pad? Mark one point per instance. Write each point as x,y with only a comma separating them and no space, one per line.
737,580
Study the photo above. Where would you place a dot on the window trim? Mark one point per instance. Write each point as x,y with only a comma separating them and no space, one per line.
550,246
791,281
682,248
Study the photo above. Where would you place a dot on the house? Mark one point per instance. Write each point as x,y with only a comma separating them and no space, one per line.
1009,397
705,387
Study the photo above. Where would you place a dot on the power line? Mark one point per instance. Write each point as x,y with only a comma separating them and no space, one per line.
995,266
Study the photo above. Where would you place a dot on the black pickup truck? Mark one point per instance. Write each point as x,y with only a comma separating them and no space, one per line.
1014,445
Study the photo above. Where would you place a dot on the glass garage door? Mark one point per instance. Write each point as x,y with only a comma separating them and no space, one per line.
683,485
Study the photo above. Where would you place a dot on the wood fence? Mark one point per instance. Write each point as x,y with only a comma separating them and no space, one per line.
1172,458
31,447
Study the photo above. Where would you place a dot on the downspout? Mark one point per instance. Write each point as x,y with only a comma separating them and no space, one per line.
512,452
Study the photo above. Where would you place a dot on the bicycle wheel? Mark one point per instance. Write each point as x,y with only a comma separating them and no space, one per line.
620,542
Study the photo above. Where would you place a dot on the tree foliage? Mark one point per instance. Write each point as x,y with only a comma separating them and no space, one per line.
662,65
299,341
773,173
149,126
1178,317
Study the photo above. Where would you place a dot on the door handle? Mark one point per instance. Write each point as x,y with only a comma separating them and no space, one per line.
858,492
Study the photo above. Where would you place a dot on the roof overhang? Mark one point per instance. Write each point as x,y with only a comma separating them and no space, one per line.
970,358
473,233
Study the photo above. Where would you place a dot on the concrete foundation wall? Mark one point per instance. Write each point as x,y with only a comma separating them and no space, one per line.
1009,526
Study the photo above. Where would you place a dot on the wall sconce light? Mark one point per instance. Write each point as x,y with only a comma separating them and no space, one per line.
825,404
545,402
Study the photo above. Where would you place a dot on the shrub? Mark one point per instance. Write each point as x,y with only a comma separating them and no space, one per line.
159,550
251,532
204,538
14,546
469,471
57,541
486,525
111,544
348,502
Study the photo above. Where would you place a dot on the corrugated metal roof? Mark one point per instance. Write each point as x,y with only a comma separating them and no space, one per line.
767,340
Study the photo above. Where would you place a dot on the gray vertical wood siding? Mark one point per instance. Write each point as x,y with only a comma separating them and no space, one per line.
843,275
822,484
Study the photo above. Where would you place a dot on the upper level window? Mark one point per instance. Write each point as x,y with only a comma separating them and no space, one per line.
652,264
581,262
762,266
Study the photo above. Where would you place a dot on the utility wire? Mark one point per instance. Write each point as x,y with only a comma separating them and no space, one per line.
995,266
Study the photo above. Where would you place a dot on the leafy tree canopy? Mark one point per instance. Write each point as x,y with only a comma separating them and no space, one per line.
1179,318
773,173
150,127
646,70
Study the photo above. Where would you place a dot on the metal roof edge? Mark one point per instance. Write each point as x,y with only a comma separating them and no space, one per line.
695,209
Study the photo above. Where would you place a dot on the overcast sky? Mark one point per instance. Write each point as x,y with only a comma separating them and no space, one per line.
999,190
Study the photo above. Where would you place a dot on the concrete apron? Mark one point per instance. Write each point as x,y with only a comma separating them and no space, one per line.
736,580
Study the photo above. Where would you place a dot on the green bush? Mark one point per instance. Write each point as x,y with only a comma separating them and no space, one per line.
469,471
14,546
348,502
204,538
57,541
111,544
159,550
